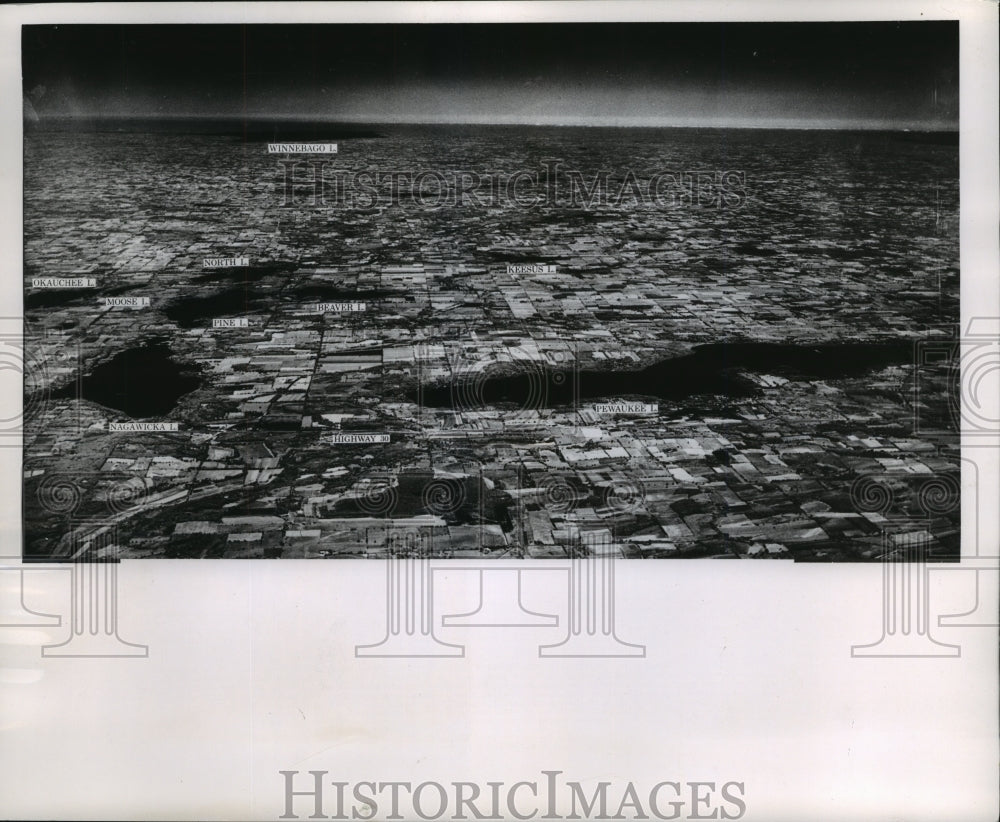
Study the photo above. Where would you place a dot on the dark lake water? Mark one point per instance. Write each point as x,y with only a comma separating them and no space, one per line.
56,297
140,382
191,312
459,500
247,274
708,370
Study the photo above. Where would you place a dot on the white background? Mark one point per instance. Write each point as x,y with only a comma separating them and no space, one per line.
748,674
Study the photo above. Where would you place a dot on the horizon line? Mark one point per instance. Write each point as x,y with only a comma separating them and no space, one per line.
287,117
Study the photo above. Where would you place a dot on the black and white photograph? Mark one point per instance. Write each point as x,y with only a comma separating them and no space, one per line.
679,289
638,363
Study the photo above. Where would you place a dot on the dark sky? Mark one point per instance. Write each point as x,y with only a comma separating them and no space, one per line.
825,75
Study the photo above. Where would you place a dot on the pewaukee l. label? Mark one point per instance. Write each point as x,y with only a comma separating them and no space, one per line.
626,408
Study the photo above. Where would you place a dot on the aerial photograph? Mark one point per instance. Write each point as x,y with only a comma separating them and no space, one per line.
678,290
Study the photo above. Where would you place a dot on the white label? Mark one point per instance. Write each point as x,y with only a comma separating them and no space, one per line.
534,268
352,439
63,282
301,148
322,308
225,262
230,322
626,408
143,426
125,302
